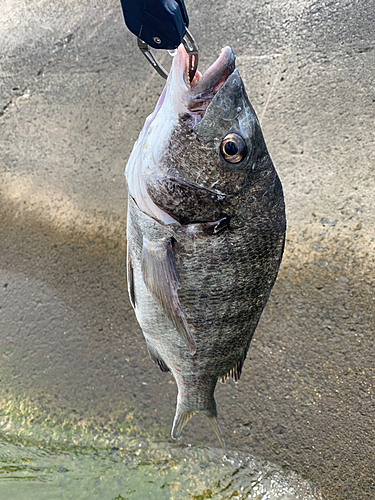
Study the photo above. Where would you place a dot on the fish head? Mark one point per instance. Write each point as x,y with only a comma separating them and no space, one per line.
195,152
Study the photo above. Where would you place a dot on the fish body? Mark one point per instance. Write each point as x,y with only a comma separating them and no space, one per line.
205,231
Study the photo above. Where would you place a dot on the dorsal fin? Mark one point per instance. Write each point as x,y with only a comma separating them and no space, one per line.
235,372
161,278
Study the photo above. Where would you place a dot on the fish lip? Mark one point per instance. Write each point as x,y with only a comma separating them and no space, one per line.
201,93
216,75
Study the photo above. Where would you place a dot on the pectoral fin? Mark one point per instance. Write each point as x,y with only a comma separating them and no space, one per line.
161,278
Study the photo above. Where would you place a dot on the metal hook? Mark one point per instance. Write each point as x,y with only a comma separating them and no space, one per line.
190,47
145,49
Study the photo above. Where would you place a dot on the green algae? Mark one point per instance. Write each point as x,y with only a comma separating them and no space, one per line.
43,421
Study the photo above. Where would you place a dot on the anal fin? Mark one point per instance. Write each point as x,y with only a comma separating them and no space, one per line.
130,276
161,278
157,360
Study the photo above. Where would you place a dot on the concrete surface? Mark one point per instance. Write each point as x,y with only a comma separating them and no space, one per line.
74,94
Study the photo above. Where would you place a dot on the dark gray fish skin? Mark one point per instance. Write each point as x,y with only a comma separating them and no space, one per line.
199,285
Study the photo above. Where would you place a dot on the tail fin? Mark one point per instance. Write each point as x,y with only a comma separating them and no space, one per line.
215,424
180,420
182,417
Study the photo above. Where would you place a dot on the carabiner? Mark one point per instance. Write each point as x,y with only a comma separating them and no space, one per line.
146,51
190,47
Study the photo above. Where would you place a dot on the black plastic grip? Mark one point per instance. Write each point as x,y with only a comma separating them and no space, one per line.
160,23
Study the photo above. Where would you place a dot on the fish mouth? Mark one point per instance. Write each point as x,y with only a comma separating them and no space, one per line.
202,89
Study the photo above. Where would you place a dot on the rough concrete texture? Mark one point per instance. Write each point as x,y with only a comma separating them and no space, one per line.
74,94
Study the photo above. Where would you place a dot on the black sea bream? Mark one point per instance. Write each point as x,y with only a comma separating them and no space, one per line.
205,232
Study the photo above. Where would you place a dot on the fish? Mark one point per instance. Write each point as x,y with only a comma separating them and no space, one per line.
205,231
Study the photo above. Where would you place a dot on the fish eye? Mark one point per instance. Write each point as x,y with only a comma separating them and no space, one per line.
233,148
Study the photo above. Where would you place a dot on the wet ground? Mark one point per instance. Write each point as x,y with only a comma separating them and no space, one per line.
74,95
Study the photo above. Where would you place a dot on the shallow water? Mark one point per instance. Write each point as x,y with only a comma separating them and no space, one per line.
41,471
